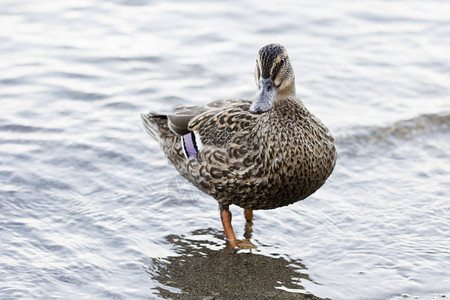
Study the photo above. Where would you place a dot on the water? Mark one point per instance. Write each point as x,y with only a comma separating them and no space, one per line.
90,208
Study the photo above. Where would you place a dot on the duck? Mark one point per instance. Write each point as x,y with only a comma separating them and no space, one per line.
259,154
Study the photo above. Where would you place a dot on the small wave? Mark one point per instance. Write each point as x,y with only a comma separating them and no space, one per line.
38,182
78,95
115,59
71,75
401,130
120,105
146,91
26,129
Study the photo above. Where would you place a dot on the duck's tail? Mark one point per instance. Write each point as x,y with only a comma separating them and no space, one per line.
155,124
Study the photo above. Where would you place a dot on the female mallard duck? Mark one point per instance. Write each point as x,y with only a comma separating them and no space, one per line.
257,154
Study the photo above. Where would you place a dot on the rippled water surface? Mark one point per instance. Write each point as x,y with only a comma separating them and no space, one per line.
89,207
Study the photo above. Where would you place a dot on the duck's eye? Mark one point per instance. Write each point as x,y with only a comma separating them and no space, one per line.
282,61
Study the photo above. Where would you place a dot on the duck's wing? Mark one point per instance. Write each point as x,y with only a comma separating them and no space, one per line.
229,150
221,150
219,126
180,120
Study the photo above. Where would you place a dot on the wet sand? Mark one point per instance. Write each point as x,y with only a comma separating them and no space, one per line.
202,273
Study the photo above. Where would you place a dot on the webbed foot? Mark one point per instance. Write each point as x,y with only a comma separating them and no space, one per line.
245,244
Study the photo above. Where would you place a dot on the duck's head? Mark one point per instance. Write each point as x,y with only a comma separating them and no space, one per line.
274,77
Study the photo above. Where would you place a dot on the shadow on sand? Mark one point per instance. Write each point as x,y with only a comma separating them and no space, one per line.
204,269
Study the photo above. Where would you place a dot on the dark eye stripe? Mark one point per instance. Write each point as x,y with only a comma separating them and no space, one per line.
276,70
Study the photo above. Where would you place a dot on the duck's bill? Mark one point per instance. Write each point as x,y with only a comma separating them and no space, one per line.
264,98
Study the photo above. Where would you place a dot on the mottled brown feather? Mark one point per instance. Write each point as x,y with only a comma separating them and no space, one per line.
259,161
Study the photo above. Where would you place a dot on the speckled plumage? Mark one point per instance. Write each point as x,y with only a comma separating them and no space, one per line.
253,160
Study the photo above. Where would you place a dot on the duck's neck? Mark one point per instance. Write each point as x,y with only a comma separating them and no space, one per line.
288,91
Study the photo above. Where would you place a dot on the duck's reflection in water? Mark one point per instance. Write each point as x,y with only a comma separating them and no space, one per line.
206,270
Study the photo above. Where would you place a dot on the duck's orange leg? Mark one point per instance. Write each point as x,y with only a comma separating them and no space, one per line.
248,215
225,215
